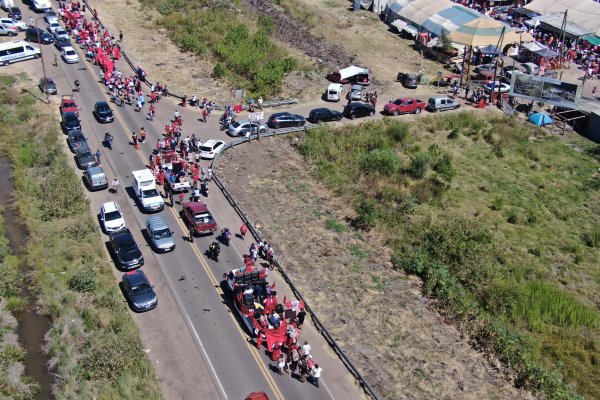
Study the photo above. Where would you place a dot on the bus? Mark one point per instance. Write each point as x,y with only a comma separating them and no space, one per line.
16,51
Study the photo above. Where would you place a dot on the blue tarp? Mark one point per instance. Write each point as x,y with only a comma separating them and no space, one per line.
540,119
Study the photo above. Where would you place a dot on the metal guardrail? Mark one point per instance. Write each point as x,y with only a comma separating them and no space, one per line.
318,324
283,131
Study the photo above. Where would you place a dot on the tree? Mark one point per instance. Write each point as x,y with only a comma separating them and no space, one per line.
445,41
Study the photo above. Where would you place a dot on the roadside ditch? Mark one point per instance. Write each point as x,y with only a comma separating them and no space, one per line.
32,326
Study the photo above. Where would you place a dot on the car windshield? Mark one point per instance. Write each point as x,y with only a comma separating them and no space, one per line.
397,102
78,138
85,155
149,193
70,117
141,288
205,148
202,218
70,52
103,110
235,124
162,234
127,245
111,216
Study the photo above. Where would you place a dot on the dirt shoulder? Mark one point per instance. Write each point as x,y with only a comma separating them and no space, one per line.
379,316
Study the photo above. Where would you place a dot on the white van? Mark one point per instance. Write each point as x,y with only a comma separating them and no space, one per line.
17,50
146,192
334,92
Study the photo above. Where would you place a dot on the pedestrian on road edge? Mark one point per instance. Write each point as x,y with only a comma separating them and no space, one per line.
315,374
243,230
98,156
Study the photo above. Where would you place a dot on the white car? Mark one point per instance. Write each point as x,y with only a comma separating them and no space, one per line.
498,87
211,148
487,68
69,55
111,217
20,25
52,26
60,33
51,17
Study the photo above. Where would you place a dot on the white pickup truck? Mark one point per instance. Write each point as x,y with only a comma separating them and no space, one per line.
173,181
144,186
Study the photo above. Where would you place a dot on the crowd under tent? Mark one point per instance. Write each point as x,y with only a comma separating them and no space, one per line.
554,23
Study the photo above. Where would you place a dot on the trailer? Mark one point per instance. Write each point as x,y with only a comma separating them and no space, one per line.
352,74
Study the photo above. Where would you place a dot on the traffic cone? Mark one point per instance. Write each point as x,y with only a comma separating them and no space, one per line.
137,145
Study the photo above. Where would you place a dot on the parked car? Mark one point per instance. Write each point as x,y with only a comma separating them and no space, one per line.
531,68
355,92
103,112
84,158
409,81
211,148
138,291
161,236
111,217
50,16
75,139
485,68
197,218
404,105
53,26
47,85
38,35
69,55
15,13
70,121
21,26
125,249
240,128
285,120
59,44
8,30
60,33
324,115
497,86
95,178
441,103
68,104
358,110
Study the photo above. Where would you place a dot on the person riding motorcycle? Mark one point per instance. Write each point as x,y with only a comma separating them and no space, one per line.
213,251
226,236
76,85
108,140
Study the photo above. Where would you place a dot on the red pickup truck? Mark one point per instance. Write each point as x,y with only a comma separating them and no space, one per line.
197,218
404,105
68,104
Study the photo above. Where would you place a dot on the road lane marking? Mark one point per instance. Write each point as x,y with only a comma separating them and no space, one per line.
253,350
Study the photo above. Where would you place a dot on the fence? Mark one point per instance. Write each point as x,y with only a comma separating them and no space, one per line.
318,324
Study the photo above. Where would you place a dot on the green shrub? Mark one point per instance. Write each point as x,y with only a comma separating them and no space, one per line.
84,281
419,165
265,24
592,238
333,224
63,196
367,214
382,161
398,132
497,204
219,71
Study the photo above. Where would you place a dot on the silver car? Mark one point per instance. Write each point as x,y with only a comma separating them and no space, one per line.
159,233
240,128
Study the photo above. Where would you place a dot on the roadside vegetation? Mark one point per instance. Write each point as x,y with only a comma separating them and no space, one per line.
498,219
14,384
237,42
94,346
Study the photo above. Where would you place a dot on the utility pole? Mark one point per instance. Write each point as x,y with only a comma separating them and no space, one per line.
42,57
562,42
499,50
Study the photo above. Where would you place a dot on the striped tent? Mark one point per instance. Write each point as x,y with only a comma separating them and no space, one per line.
483,31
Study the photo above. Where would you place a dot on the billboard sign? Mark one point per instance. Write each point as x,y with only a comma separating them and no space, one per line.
546,90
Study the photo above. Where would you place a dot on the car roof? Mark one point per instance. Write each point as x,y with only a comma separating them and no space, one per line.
136,277
196,206
122,234
157,222
279,114
359,104
110,206
70,114
101,103
84,149
95,170
68,48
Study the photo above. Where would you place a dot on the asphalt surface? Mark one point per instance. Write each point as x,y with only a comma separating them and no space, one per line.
204,351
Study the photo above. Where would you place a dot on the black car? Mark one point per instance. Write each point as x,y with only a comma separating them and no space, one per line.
15,13
84,158
285,120
47,85
409,81
103,113
126,251
138,291
70,121
37,35
324,115
358,109
63,42
75,140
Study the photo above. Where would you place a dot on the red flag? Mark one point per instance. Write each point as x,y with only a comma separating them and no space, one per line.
284,299
273,285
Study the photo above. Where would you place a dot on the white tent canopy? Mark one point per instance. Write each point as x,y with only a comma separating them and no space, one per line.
583,14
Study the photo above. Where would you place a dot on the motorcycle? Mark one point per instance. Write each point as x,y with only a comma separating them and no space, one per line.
204,189
225,121
108,139
226,236
213,251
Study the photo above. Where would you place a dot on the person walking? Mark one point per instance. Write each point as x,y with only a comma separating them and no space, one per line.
300,317
306,349
594,91
204,114
115,185
142,135
98,156
315,374
260,102
120,36
281,364
243,230
152,112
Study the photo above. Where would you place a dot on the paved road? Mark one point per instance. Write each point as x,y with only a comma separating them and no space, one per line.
195,342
